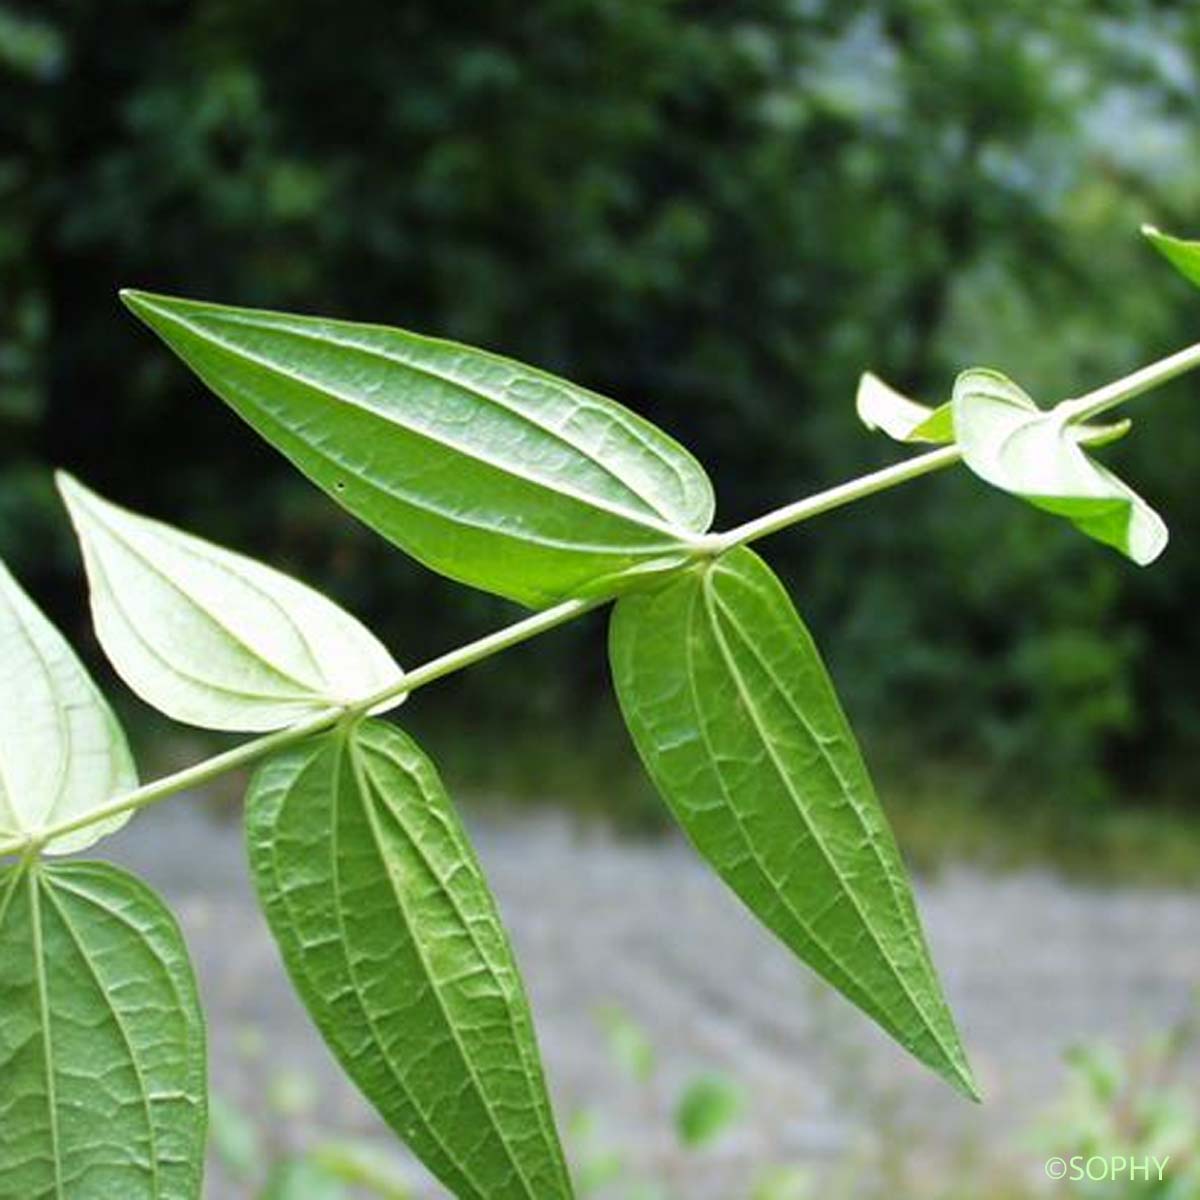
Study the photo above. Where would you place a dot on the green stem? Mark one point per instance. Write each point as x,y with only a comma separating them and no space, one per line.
249,752
836,497
1142,380
1083,408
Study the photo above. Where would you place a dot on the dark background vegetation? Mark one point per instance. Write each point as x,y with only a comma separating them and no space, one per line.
718,213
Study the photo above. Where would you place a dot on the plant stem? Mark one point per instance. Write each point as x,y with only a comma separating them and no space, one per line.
249,752
1083,408
836,497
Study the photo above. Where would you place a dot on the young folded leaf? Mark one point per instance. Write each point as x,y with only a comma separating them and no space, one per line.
880,406
738,724
392,939
1012,444
62,753
212,638
1183,255
102,1058
491,472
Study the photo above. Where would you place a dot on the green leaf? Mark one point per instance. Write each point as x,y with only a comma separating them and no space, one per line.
62,753
491,472
102,1059
212,638
708,1106
738,724
393,941
880,406
1012,444
1183,255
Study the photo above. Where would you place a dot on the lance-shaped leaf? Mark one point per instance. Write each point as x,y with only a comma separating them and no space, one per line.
213,638
1012,444
491,472
880,406
737,722
1182,254
392,939
102,1060
62,753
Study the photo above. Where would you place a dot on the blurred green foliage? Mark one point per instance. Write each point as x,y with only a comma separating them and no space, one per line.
718,212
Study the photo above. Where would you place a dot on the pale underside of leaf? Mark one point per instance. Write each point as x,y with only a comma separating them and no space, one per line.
102,1055
881,406
1012,444
62,752
390,934
486,470
213,638
732,712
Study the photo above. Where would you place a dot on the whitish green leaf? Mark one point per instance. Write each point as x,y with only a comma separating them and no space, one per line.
393,941
102,1060
737,722
880,406
708,1106
1182,254
62,753
491,472
1012,444
210,637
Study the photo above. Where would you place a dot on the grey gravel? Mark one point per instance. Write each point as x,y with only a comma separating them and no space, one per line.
1031,963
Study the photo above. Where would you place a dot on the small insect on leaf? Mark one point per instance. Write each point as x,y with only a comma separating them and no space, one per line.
1012,444
62,753
213,638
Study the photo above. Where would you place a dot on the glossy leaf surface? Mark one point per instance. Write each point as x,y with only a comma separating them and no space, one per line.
737,722
1012,444
392,939
62,753
1181,253
213,638
491,472
102,1058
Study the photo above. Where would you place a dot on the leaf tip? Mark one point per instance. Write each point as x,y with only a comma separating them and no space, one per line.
66,483
146,306
75,495
132,299
963,1080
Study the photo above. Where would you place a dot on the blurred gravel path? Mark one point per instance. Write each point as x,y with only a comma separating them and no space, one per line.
1031,964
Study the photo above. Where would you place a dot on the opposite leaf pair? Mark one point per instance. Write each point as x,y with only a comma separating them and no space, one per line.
1012,444
1038,455
366,875
367,878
